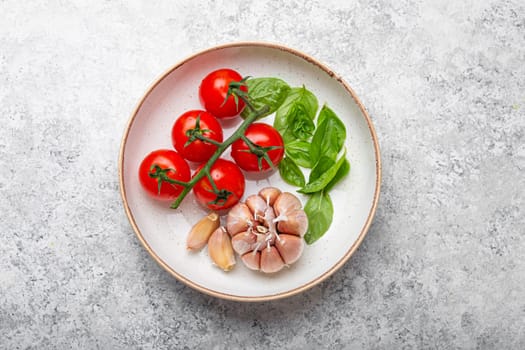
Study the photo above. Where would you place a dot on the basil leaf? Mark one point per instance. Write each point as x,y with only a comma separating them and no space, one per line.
329,137
291,173
299,152
262,92
323,165
322,174
300,125
325,113
341,173
299,102
320,212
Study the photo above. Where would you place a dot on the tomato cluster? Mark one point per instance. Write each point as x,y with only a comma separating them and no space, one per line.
196,136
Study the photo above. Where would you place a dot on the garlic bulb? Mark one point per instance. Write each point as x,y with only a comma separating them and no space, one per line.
267,230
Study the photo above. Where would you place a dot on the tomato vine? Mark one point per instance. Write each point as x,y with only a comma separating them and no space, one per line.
234,89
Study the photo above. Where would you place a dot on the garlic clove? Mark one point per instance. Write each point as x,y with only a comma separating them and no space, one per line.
286,203
252,260
290,248
244,242
257,206
295,222
239,219
220,249
269,219
201,231
263,240
270,194
271,261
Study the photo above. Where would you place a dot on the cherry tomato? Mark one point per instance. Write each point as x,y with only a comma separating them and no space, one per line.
208,126
266,137
214,89
229,181
159,167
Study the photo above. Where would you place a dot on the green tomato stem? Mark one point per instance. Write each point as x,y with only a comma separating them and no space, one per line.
207,139
205,171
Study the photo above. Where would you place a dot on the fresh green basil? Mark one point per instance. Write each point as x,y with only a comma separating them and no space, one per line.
322,174
341,173
320,211
300,125
299,152
300,105
325,113
329,136
262,92
308,144
291,173
323,165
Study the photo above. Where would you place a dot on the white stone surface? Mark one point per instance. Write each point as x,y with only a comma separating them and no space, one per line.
442,266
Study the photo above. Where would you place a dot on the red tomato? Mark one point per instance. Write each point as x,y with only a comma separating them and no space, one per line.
163,164
265,136
197,150
229,181
213,91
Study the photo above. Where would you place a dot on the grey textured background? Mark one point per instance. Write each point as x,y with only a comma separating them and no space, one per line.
443,264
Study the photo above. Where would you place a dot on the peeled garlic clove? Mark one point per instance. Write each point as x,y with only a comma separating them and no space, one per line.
252,260
295,222
239,219
286,203
244,242
271,261
270,194
220,249
257,205
202,230
290,247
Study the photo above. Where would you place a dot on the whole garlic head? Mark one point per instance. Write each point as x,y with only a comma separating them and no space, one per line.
267,230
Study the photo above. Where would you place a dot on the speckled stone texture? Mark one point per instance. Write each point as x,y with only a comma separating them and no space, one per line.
443,264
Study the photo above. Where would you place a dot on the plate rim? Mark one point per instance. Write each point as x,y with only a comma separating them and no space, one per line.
313,282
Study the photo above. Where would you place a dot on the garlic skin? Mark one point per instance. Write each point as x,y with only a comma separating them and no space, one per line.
257,206
296,223
286,203
244,242
271,260
269,220
201,231
269,194
273,237
239,219
220,249
252,261
290,248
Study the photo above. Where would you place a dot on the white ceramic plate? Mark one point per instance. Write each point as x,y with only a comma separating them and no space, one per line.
163,231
